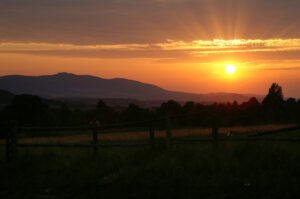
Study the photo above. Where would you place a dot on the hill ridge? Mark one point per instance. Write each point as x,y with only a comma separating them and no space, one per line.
63,84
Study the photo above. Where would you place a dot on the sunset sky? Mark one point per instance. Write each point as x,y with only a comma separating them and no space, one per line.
182,45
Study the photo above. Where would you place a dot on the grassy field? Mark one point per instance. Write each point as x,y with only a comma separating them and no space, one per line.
237,170
140,135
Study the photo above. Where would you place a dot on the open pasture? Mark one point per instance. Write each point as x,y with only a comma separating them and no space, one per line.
144,134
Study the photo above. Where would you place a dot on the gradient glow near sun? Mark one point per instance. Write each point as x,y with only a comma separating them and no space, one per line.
230,69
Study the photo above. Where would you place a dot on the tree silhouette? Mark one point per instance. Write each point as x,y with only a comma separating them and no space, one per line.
134,113
171,107
64,115
251,112
27,109
273,103
30,110
104,113
291,109
188,107
274,97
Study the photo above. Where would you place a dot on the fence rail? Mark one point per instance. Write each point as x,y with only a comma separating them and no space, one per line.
89,127
11,143
276,131
80,145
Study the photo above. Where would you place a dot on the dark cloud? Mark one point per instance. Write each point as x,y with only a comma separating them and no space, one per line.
107,54
146,21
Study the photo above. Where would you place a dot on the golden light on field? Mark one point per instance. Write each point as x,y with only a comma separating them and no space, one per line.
230,69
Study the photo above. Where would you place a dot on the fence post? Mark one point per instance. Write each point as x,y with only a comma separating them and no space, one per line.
168,131
11,142
215,133
215,142
95,137
152,136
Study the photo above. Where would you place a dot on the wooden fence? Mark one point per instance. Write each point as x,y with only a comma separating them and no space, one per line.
11,143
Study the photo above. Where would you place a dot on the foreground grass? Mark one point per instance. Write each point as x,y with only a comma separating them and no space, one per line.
238,170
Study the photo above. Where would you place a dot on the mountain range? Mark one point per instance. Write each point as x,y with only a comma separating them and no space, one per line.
67,85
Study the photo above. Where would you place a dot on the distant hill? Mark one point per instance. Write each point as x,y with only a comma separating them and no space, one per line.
66,85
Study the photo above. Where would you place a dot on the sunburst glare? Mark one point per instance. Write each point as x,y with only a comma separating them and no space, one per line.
230,69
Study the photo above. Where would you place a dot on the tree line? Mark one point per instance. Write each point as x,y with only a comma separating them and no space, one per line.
30,110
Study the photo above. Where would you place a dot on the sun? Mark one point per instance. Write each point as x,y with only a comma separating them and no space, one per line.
230,69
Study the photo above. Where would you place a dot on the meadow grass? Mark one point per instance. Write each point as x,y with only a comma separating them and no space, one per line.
144,134
235,170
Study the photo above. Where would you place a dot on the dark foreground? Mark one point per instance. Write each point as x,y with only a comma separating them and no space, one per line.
237,170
